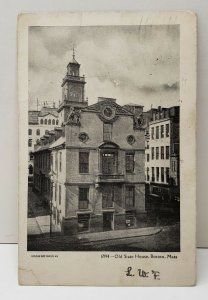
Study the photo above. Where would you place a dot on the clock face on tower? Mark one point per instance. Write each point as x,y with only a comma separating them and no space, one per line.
108,112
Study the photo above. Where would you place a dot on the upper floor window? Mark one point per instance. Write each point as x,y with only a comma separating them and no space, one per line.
167,152
30,143
153,152
45,121
41,121
56,122
83,162
129,195
49,122
157,152
162,131
162,152
38,132
157,132
147,156
30,131
129,162
152,133
107,131
53,122
46,131
167,130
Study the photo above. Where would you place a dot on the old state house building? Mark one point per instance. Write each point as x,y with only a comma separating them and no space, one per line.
91,168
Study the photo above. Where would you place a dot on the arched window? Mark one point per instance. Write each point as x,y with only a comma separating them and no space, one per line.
30,169
45,121
30,131
41,121
53,122
30,143
49,122
56,122
38,131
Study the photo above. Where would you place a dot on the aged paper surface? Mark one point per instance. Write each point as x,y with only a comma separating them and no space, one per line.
107,159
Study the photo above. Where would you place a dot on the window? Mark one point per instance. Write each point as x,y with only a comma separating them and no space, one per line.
130,219
153,152
167,175
56,122
107,131
59,194
130,196
83,162
157,174
30,143
152,133
53,122
153,174
55,191
30,170
83,198
167,152
30,131
41,121
38,132
157,132
157,152
162,174
129,162
173,166
162,131
83,222
46,131
45,121
162,152
148,178
31,156
148,157
49,122
60,161
167,130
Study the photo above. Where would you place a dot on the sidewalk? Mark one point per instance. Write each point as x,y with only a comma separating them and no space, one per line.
113,235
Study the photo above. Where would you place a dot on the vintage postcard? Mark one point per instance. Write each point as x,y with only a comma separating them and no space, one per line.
107,117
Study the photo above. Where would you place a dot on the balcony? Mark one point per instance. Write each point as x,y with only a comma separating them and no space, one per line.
101,178
83,204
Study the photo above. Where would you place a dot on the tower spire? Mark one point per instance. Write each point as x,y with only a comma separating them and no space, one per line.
73,49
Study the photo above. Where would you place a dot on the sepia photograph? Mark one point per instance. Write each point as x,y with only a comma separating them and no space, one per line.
104,138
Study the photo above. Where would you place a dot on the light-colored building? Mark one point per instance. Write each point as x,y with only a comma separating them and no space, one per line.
162,157
40,123
96,178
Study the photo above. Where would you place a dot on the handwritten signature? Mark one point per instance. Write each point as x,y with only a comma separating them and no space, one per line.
142,273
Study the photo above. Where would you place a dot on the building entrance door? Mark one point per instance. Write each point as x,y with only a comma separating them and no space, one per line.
108,221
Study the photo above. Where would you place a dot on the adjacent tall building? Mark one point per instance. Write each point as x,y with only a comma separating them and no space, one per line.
162,165
91,169
40,123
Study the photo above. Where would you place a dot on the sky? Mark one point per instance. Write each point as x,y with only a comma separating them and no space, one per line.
134,64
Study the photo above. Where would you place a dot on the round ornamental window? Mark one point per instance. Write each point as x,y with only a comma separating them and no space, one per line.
130,139
83,137
108,112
